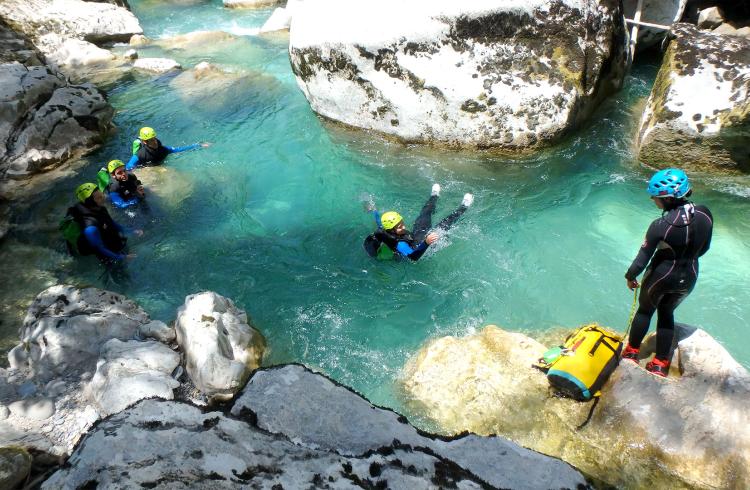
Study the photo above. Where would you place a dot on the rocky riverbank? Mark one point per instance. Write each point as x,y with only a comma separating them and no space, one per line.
690,430
88,356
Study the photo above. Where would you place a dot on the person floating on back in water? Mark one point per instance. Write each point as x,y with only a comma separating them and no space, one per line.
98,233
679,237
393,239
125,189
148,150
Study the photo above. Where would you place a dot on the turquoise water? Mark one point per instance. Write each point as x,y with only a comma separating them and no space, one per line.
271,216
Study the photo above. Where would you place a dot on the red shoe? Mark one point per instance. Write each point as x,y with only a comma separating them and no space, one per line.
658,367
631,353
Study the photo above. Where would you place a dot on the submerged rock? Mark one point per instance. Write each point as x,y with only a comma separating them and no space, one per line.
513,76
156,65
220,348
249,4
684,432
707,132
15,465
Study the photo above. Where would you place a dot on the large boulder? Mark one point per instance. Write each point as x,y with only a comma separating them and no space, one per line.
689,431
476,74
698,113
90,21
296,429
663,12
44,120
15,465
316,412
77,362
221,349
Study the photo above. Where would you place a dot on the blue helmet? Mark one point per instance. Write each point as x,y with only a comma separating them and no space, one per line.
670,182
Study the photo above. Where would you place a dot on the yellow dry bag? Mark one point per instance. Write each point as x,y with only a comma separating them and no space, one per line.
588,357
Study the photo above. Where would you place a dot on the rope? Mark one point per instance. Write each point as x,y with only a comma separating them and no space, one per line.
632,311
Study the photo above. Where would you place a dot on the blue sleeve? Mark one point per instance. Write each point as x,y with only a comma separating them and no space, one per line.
95,240
413,253
178,149
132,163
376,215
119,202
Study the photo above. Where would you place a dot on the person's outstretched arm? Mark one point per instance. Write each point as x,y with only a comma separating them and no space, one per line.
95,240
178,149
132,163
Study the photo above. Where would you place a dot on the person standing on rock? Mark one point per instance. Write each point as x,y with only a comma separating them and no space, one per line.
98,234
392,239
679,237
148,150
125,190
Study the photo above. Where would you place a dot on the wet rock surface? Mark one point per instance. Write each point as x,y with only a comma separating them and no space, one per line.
159,443
706,133
685,431
221,349
460,75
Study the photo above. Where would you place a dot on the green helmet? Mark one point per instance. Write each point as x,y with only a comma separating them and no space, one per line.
147,133
114,165
84,191
390,219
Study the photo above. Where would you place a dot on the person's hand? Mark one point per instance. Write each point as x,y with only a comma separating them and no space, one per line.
632,283
369,206
431,238
205,144
139,190
138,232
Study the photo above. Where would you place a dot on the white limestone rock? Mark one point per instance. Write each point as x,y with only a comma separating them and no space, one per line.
92,21
130,54
156,65
689,431
33,408
66,327
249,4
663,12
281,18
725,29
131,371
473,74
706,133
220,348
72,52
710,18
315,412
158,330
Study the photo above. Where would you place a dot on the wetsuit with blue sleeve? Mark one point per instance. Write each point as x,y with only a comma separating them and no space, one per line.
402,245
124,194
146,156
673,245
100,235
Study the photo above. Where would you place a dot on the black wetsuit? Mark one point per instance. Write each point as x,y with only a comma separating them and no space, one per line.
679,237
127,189
152,156
108,242
411,244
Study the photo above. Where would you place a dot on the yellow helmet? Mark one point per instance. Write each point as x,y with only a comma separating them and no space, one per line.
84,191
147,133
114,165
390,219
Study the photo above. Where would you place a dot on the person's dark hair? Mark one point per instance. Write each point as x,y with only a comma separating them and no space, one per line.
89,202
675,202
